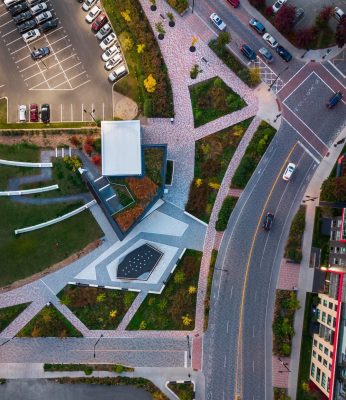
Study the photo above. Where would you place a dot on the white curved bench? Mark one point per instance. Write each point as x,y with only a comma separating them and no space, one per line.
26,164
55,220
29,191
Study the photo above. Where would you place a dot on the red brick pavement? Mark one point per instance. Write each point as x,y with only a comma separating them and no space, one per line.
197,353
288,276
198,28
280,379
218,239
235,192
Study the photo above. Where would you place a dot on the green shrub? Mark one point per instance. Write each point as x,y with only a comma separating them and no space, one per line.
88,370
148,107
293,249
225,212
179,5
119,368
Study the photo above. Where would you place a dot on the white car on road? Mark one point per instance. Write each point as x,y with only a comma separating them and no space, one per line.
92,14
109,53
217,21
113,62
31,35
108,41
288,172
270,40
277,5
88,4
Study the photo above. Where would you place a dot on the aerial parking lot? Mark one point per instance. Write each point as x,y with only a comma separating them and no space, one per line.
71,78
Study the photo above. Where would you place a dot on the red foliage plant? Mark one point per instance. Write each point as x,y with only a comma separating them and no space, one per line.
126,218
96,159
304,37
143,188
88,149
284,18
340,35
269,11
89,140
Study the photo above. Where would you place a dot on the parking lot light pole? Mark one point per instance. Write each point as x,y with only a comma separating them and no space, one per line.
90,113
277,77
96,344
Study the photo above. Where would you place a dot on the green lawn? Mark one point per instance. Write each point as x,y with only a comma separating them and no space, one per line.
175,307
212,99
225,213
213,258
183,390
213,154
293,249
8,314
97,308
253,154
49,322
32,252
153,162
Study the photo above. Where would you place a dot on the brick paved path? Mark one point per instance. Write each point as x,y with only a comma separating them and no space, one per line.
288,276
280,379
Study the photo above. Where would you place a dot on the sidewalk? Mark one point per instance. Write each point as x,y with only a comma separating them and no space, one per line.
307,274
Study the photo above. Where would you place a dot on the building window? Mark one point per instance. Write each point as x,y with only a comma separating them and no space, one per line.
330,305
332,249
324,316
318,375
329,320
324,380
335,307
334,322
331,354
325,363
326,351
325,303
319,358
330,367
314,353
315,343
320,346
328,386
313,370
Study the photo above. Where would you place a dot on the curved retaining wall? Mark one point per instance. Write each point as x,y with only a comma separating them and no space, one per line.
29,191
54,221
26,164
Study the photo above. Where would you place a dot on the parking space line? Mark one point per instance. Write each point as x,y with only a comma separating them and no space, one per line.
58,40
8,33
55,30
30,66
17,49
61,112
53,53
39,67
16,62
63,61
76,76
13,41
5,23
82,112
32,76
84,83
5,13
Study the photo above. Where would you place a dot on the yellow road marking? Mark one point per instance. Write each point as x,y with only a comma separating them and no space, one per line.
239,363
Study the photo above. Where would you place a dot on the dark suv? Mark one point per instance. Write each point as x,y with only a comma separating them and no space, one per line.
18,8
248,52
268,221
45,113
283,53
47,26
334,100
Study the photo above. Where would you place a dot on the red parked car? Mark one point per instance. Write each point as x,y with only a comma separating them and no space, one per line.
99,22
234,3
33,113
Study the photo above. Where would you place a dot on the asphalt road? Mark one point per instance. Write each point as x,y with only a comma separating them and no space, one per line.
43,389
249,258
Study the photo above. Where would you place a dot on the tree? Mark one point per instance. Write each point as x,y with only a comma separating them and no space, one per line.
304,37
150,84
334,189
223,39
255,77
323,17
126,15
340,35
284,19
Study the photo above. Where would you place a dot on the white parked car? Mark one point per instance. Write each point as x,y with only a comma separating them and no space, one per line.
88,4
339,14
22,113
93,13
43,17
109,53
217,21
288,172
113,62
38,8
31,35
270,40
108,41
104,31
277,5
117,73
9,3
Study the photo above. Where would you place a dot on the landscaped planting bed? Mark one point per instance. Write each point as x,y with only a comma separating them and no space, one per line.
253,154
213,99
225,212
286,304
175,307
179,5
293,249
32,252
97,308
183,390
281,394
209,285
87,368
212,156
133,29
319,240
49,322
8,314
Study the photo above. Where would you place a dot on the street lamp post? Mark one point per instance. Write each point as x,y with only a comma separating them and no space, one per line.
272,84
96,344
90,113
303,55
284,365
193,5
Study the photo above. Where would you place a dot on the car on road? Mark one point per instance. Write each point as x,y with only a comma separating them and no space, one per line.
88,4
283,53
277,5
270,40
99,22
248,52
31,35
109,53
47,26
117,73
334,100
338,14
257,26
113,62
40,53
26,26
266,55
234,3
22,17
22,113
18,8
104,31
38,8
288,171
92,14
9,3
43,17
217,21
108,41
268,221
45,113
33,113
